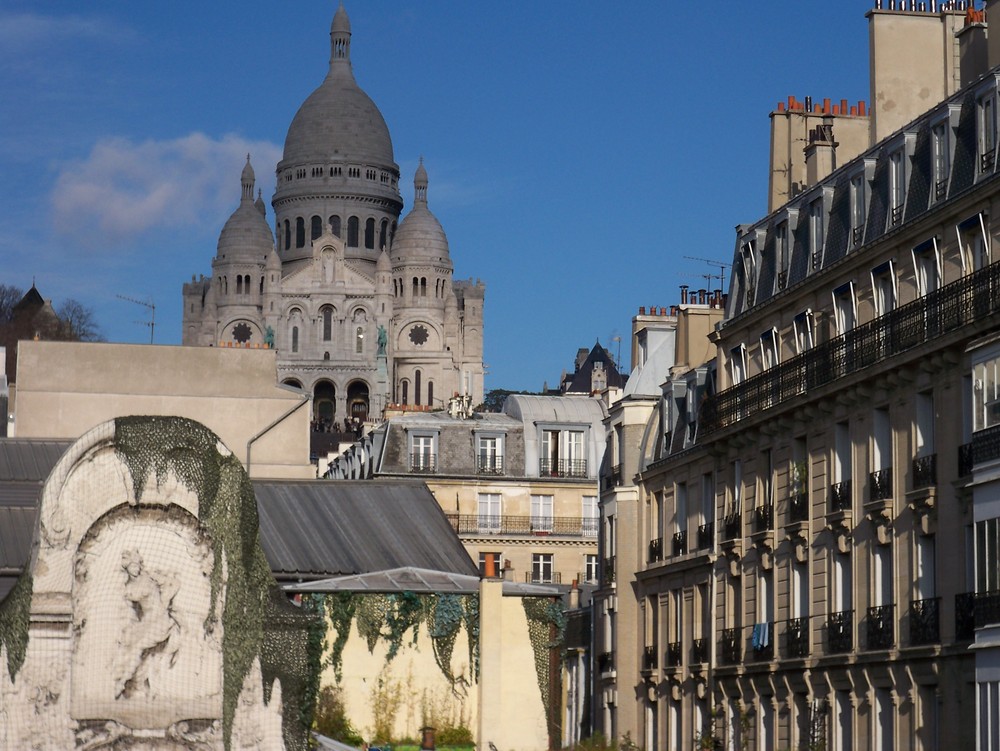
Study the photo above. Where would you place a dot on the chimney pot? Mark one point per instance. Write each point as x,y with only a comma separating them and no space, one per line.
642,310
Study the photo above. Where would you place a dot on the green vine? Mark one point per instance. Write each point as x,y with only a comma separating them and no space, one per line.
446,621
471,603
15,618
405,612
546,630
315,646
370,613
340,609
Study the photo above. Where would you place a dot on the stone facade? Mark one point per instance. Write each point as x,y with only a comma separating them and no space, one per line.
362,312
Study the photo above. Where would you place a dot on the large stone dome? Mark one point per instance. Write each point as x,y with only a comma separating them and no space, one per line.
338,121
246,234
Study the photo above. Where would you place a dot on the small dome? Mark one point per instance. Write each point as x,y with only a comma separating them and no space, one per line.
383,263
339,121
246,234
420,236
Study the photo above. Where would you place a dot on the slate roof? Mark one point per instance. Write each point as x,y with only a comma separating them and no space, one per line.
315,529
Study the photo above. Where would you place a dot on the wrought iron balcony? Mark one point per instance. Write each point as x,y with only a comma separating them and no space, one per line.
965,459
840,632
881,625
858,234
897,215
423,463
925,471
940,190
681,543
986,445
732,646
924,621
699,650
840,496
608,570
674,654
706,535
880,484
782,279
606,662
987,608
731,526
488,524
543,577
763,518
656,550
797,637
986,160
946,309
649,659
562,467
762,640
798,507
490,465
965,616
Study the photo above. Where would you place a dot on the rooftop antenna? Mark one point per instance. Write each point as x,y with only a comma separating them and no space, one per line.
721,276
151,323
618,357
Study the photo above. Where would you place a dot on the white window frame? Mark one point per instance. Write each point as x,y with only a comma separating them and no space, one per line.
541,568
817,230
770,350
783,253
897,185
804,325
985,393
482,561
423,445
591,515
542,512
927,257
970,232
490,453
738,364
940,158
748,256
859,209
591,568
489,513
986,127
845,293
884,287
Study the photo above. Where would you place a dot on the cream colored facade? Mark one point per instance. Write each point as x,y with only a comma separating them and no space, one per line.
824,481
66,388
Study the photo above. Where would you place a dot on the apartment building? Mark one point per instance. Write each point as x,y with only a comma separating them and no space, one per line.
815,510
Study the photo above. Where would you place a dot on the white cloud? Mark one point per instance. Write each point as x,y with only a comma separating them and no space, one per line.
31,32
123,189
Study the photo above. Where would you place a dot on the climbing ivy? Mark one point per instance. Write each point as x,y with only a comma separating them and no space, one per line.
546,629
340,609
405,612
471,607
15,617
445,622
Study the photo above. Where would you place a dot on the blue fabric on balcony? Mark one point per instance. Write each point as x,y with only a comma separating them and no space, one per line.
760,637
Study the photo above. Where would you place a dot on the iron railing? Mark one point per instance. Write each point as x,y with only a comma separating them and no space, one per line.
965,459
840,496
488,524
606,662
706,535
897,215
798,507
762,640
880,484
940,190
840,632
880,627
681,543
674,654
946,309
763,517
543,577
987,608
986,160
797,637
732,647
656,550
986,445
699,650
858,234
649,659
490,465
423,463
608,570
731,526
925,471
965,616
562,467
924,621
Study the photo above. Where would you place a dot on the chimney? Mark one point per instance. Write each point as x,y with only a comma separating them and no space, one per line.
574,596
684,294
821,153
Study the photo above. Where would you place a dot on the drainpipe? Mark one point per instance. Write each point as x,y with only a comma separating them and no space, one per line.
286,415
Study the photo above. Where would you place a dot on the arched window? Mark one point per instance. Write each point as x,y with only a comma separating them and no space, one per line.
288,235
359,340
382,230
352,232
295,338
239,284
262,285
326,355
423,286
406,392
225,285
317,227
335,225
327,326
300,232
430,394
370,233
246,284
416,286
416,387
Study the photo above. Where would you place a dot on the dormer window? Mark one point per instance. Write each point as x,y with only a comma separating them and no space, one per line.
859,207
749,259
783,254
897,186
940,160
816,232
986,127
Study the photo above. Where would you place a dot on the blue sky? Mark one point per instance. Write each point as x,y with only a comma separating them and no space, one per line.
577,152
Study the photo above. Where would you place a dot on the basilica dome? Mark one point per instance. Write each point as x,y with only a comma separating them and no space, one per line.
339,121
420,236
246,234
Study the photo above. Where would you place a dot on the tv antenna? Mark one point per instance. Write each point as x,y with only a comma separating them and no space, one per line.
709,277
151,323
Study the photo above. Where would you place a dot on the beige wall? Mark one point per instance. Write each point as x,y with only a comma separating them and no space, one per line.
66,388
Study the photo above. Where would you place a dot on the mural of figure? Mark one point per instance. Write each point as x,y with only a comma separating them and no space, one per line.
148,643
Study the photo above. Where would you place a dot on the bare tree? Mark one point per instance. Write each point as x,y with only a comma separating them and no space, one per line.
9,297
78,322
